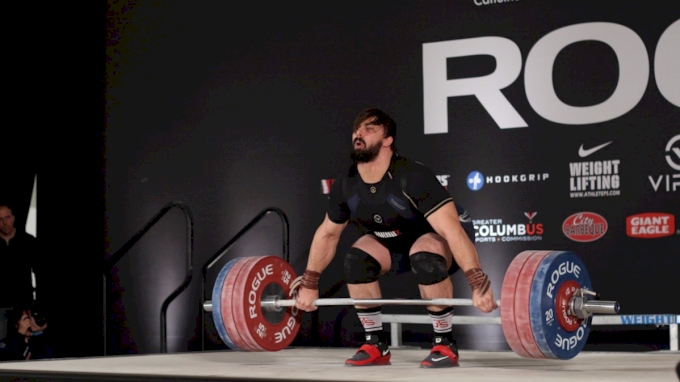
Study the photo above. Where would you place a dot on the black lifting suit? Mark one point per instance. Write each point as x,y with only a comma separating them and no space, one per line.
395,210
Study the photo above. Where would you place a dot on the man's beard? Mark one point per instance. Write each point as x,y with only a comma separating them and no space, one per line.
366,154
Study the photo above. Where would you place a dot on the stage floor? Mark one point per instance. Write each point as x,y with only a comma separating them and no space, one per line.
326,364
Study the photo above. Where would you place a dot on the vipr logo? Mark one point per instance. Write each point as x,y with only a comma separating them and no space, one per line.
670,181
475,181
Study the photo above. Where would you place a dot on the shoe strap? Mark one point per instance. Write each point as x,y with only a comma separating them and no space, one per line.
372,350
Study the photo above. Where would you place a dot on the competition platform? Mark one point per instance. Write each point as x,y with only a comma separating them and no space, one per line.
327,364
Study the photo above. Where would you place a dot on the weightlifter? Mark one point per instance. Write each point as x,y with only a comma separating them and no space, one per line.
410,223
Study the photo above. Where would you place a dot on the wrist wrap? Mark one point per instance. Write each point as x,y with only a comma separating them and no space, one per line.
478,280
310,279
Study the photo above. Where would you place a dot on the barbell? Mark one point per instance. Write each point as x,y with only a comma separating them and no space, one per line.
546,304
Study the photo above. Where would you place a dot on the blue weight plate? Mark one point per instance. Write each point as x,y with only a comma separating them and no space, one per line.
553,337
217,304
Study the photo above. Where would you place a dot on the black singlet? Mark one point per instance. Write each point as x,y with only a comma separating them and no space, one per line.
396,206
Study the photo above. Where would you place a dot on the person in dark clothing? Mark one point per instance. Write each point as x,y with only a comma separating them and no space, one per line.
409,223
27,338
18,258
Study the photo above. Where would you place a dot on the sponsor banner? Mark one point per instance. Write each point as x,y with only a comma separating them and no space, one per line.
594,178
496,231
650,225
480,3
669,182
584,227
476,180
650,319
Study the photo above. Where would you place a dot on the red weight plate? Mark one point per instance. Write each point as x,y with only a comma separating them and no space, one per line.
271,331
508,305
239,306
522,304
227,302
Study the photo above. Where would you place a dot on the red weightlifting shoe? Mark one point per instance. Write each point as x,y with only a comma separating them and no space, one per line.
443,354
371,353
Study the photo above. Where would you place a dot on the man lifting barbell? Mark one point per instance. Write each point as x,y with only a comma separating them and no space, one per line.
411,223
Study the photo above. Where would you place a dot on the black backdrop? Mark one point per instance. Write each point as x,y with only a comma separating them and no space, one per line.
235,109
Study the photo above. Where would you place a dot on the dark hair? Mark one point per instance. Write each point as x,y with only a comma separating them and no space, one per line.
381,118
14,315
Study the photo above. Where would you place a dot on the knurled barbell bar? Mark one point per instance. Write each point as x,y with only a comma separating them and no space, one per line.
546,304
579,306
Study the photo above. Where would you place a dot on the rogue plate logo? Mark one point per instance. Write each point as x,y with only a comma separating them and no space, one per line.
494,230
476,180
650,225
594,178
584,227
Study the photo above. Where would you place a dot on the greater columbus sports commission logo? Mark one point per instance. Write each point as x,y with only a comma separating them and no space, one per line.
494,230
584,227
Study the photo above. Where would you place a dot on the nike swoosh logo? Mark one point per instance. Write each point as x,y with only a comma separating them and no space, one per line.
584,153
438,359
384,353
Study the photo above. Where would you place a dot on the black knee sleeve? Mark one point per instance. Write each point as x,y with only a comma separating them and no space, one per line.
429,268
360,267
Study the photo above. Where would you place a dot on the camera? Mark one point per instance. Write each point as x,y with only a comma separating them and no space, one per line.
39,319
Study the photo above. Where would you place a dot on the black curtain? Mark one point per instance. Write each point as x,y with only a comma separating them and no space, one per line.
16,193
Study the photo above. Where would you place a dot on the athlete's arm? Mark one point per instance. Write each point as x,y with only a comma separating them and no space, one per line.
321,253
323,248
324,244
445,222
440,211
